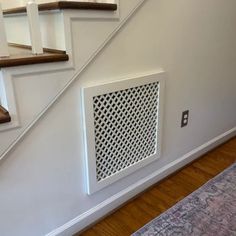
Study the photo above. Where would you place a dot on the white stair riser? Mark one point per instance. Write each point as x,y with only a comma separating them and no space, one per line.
51,24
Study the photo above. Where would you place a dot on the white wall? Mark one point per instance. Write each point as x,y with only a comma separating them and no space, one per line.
42,180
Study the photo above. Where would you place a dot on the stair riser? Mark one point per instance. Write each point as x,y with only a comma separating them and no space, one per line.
51,25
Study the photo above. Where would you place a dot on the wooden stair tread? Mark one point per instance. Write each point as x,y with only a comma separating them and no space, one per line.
62,5
4,115
22,55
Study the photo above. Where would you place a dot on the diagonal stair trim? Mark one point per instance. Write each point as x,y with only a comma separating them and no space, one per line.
58,96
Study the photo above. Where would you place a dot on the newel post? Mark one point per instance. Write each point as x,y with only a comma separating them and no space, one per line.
3,39
34,27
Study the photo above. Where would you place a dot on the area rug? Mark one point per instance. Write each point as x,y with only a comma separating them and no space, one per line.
209,211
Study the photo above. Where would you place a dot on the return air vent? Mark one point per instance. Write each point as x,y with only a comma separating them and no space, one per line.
122,122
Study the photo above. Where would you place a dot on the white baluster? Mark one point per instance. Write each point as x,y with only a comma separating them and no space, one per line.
34,26
3,39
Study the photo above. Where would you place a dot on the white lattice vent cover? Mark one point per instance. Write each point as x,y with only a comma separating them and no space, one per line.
122,123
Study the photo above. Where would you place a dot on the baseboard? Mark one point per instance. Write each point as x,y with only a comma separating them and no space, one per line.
79,223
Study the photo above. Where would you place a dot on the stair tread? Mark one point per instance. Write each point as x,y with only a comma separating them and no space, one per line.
22,55
62,5
4,115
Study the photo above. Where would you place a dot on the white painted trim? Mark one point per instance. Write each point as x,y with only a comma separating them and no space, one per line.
88,93
80,222
9,101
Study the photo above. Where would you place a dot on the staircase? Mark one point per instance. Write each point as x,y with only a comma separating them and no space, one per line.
63,59
58,65
73,35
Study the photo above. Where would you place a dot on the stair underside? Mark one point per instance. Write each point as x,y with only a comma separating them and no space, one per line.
22,55
4,115
61,5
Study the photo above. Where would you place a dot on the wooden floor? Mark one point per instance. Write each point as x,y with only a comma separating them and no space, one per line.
165,194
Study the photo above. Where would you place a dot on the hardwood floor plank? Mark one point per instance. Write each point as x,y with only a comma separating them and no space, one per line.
165,194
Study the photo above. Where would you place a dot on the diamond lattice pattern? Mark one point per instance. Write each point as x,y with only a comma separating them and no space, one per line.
125,128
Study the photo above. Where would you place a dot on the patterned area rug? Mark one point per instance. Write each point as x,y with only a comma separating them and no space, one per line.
209,211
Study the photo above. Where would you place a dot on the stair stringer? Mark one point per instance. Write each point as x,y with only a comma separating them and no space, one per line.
72,69
28,91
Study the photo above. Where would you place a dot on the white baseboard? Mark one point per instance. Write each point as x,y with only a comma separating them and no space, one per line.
79,223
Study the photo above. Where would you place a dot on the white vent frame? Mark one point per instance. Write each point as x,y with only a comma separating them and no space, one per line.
88,93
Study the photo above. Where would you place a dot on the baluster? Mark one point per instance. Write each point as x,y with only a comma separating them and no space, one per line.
34,27
3,39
